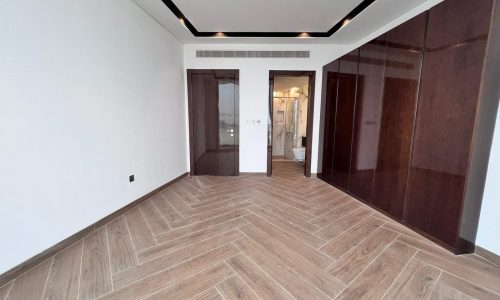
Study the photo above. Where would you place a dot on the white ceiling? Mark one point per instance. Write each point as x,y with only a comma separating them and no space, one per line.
278,15
265,15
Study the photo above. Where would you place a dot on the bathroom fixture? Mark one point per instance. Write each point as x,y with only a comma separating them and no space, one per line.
299,153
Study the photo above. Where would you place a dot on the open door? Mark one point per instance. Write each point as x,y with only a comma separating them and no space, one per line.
213,122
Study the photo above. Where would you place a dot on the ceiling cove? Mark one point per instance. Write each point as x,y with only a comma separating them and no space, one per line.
343,22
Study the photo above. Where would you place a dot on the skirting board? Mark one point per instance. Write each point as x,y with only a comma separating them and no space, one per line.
41,257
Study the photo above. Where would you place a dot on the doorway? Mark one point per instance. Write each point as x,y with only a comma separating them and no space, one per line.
213,105
291,108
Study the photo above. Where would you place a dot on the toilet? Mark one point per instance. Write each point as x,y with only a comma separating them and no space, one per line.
299,153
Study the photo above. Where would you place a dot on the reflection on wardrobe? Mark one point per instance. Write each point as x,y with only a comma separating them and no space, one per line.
400,116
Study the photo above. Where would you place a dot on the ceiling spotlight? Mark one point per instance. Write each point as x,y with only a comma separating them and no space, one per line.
304,35
220,35
181,20
346,21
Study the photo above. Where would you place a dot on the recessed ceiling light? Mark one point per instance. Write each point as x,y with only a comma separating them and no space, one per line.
181,20
304,35
220,35
346,21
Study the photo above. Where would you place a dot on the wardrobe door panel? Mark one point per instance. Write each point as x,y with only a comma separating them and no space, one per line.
401,79
344,120
367,118
330,105
451,77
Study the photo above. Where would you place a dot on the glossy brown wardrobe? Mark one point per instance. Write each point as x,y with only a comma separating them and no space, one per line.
408,119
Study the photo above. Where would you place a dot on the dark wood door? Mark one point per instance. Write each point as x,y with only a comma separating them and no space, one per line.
346,101
402,71
213,118
448,101
367,118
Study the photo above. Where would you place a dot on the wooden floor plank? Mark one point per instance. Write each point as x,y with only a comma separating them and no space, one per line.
288,227
453,287
316,257
257,279
336,213
122,254
328,205
343,224
154,266
175,200
31,284
210,214
288,216
64,275
415,282
235,288
142,237
354,262
475,272
187,240
180,232
4,290
196,284
310,272
481,259
298,213
342,244
166,209
378,277
171,276
210,294
266,193
286,277
444,292
185,196
493,258
153,217
292,232
214,206
95,275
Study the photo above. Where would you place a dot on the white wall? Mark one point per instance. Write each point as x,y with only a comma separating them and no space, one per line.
90,92
488,236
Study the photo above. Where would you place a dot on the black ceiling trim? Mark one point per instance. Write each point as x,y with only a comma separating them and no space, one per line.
183,19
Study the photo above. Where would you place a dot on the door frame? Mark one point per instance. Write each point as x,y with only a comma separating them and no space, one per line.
310,114
233,72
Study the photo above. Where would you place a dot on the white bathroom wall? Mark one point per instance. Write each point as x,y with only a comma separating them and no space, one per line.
91,91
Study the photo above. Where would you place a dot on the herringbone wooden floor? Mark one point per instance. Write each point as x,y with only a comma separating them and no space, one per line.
252,237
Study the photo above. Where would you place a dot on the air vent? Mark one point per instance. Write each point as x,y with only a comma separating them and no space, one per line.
251,54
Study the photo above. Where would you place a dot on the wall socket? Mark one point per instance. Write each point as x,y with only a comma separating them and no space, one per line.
131,178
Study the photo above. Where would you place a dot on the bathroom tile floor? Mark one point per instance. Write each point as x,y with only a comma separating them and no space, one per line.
256,237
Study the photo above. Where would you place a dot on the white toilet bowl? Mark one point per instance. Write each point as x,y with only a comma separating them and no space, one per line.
299,153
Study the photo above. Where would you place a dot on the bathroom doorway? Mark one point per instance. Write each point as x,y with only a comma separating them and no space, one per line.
291,103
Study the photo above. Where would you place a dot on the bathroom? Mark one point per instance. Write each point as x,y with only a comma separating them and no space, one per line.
290,103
